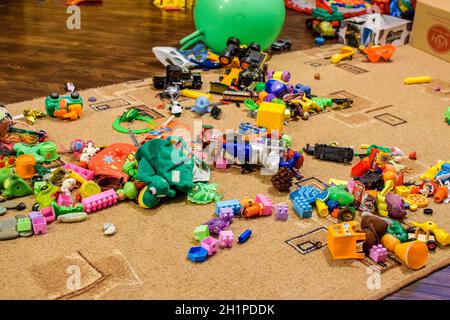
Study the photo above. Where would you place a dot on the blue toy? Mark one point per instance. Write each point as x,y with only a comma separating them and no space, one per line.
276,87
245,236
197,254
201,106
233,204
300,88
199,55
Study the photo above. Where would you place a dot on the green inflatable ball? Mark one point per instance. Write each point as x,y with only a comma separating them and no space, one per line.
248,20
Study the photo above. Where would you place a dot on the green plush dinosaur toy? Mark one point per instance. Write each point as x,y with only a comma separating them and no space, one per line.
157,188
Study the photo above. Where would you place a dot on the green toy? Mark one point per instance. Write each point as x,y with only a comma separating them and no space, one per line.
130,190
15,187
201,232
130,116
323,14
397,231
447,115
203,193
323,103
250,21
38,185
24,225
45,196
157,188
130,168
53,105
61,210
44,151
340,195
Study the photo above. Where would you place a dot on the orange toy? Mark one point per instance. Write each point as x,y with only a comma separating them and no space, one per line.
441,194
25,166
343,241
376,53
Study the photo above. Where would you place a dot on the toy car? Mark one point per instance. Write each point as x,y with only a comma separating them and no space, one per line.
250,55
176,76
64,107
376,53
324,29
331,153
281,45
346,53
413,234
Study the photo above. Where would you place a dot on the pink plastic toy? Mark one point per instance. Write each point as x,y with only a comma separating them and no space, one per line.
226,238
266,202
281,212
85,173
100,201
378,253
221,163
38,222
64,200
211,245
48,214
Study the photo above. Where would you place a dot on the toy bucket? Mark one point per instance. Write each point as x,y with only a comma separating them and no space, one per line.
414,254
25,166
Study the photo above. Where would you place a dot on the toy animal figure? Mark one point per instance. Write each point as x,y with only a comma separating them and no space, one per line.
89,151
68,185
176,108
374,227
157,188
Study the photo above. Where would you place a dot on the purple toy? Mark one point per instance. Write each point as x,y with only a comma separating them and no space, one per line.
395,206
211,245
38,222
276,87
216,225
378,253
226,238
281,212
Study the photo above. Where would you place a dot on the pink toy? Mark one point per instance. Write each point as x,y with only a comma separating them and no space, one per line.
281,212
211,245
85,173
221,163
64,200
226,238
48,214
38,222
378,253
267,204
100,201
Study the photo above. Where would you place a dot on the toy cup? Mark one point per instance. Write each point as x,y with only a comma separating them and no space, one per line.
25,166
441,194
414,254
48,151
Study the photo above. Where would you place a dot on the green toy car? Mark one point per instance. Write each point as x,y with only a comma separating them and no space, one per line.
64,107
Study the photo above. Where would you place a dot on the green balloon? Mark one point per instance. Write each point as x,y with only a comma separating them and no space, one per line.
248,20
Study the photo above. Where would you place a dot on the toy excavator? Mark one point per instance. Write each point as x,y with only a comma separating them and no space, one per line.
442,237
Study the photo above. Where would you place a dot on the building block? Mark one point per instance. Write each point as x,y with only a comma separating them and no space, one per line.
24,225
266,202
234,204
60,210
100,201
378,253
48,214
64,200
85,173
245,236
302,208
226,213
226,238
302,199
38,222
271,116
342,241
211,245
197,254
281,212
201,232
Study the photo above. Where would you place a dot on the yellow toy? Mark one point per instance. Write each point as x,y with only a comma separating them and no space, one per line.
271,116
442,237
171,5
381,198
417,80
346,53
419,200
88,188
432,171
322,208
343,241
307,104
232,73
193,94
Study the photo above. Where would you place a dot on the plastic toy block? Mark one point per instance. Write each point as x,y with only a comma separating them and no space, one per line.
60,210
24,225
402,191
245,236
302,207
342,241
38,222
100,201
378,253
226,212
271,116
85,173
211,245
234,204
197,254
201,232
266,202
64,200
226,238
281,212
48,214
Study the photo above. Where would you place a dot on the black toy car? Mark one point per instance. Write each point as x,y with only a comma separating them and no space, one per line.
175,76
331,153
281,45
251,75
372,180
249,56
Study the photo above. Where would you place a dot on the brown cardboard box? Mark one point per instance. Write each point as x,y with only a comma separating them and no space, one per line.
431,29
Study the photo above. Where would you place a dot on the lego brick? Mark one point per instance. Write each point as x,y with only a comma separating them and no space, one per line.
85,173
266,202
226,238
271,116
281,212
100,201
378,253
197,254
201,232
234,204
48,214
211,245
302,207
24,225
38,222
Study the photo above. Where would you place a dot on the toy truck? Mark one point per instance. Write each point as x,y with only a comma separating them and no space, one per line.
64,107
330,153
176,76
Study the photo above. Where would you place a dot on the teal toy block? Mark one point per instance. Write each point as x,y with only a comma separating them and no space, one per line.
201,232
24,225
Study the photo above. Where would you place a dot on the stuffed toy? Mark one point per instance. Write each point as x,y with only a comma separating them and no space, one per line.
157,188
375,228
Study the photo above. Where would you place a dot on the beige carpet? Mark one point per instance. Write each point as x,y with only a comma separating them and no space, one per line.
146,259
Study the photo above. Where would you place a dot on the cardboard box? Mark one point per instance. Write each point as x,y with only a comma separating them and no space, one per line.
431,30
374,29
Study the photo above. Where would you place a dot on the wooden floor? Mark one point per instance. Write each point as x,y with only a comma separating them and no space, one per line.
38,55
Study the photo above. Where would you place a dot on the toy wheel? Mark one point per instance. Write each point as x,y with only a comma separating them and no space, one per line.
432,245
197,86
245,63
54,95
318,244
254,46
286,76
225,60
75,95
233,41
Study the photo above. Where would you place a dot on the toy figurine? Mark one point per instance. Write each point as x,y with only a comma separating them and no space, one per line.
68,185
88,151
